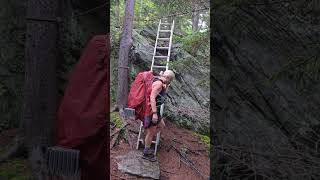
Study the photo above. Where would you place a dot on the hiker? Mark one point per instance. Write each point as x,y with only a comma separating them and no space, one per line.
155,123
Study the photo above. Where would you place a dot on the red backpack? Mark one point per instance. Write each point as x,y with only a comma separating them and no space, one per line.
139,95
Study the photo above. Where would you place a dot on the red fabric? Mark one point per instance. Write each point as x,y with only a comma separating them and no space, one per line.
83,116
138,99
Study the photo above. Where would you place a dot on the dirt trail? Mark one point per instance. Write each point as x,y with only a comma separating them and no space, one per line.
171,168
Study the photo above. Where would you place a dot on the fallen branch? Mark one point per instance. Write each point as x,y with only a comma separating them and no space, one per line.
134,131
131,125
116,136
114,140
169,148
118,130
167,171
193,152
188,162
201,150
190,150
175,140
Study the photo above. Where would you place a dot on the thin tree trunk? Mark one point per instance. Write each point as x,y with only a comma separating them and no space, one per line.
125,45
118,19
39,111
140,10
195,21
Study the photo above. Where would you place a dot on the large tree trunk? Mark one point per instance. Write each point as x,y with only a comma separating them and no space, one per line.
39,111
125,45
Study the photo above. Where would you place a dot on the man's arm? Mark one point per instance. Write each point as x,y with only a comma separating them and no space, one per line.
156,89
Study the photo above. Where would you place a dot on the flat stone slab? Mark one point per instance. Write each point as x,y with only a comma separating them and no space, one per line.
133,163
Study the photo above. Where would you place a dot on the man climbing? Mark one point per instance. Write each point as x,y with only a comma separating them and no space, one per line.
154,122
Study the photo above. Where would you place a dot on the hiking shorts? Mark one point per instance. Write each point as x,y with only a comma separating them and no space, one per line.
147,123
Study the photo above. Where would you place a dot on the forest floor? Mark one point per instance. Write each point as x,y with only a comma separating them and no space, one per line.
15,168
171,168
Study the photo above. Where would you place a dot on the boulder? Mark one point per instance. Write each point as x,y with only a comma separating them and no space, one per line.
189,106
133,163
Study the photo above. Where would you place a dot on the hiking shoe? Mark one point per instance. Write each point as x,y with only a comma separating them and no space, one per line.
147,151
150,157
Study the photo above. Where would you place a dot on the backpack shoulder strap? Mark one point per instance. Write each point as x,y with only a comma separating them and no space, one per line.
158,79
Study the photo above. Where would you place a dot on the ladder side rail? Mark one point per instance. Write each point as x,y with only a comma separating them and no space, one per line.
170,42
155,46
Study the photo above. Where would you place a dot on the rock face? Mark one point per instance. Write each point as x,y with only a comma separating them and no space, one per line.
189,106
134,164
258,123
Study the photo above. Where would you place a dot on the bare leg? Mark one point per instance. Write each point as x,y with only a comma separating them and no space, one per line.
150,133
153,131
148,139
160,126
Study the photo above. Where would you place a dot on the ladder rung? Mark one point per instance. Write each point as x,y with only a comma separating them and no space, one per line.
162,47
159,66
161,56
165,23
164,30
141,140
164,39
